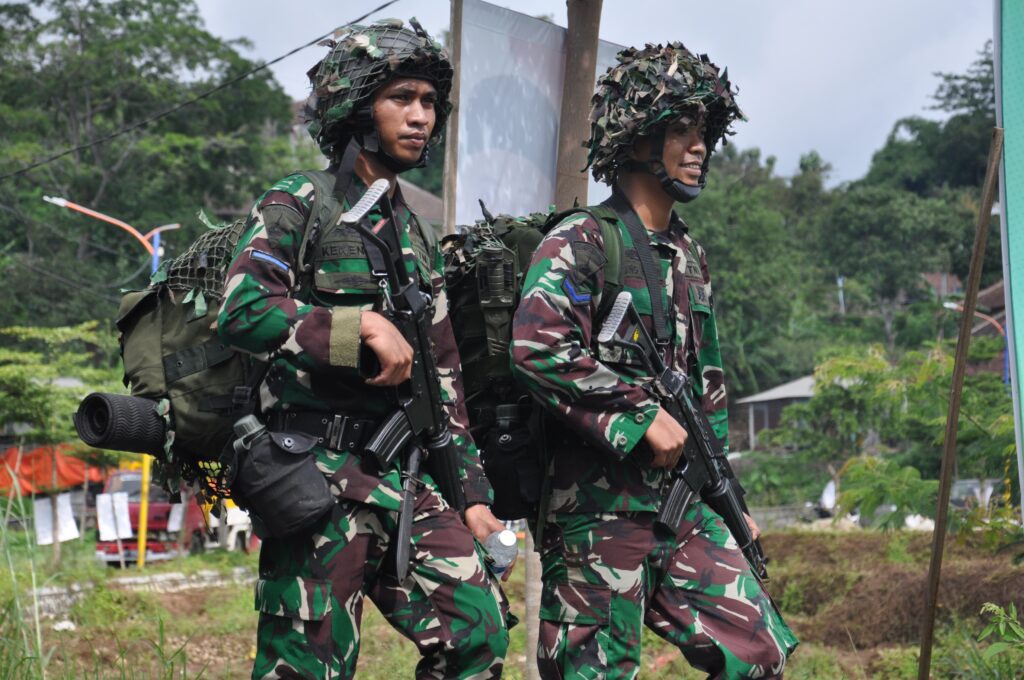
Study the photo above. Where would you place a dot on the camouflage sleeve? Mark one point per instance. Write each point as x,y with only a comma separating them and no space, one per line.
709,364
551,341
258,315
449,367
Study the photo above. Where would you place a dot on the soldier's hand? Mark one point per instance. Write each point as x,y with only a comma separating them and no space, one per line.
666,438
482,523
393,352
755,530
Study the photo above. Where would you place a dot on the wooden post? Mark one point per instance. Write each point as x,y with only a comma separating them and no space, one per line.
85,501
953,415
53,507
577,89
531,595
451,138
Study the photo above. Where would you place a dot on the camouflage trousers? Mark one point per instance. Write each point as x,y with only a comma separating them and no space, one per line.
607,575
311,589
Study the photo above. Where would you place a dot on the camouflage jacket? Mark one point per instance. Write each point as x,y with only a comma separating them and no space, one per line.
598,391
312,339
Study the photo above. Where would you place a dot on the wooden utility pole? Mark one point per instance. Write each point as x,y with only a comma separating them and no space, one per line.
451,138
577,89
953,415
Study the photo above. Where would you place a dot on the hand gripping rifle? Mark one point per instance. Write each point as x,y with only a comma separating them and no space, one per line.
703,469
418,427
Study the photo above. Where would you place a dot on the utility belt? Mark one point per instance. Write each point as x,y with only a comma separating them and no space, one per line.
331,430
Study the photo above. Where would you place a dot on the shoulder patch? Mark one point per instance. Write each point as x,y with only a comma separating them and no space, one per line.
589,259
267,257
576,294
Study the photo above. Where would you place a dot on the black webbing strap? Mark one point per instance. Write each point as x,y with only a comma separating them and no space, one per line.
651,271
346,170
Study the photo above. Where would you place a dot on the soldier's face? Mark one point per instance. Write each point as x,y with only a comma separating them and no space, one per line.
685,150
404,112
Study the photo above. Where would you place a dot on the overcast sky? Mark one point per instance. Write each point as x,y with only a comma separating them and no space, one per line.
820,75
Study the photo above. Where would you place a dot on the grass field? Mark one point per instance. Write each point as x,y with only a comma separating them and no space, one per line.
854,600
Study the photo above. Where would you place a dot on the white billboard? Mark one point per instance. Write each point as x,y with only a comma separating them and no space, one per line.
511,92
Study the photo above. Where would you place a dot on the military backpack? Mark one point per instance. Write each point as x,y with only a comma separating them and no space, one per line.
187,387
485,264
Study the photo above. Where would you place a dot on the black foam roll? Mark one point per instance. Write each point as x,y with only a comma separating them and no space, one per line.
121,423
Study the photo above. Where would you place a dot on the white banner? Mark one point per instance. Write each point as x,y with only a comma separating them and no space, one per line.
67,528
112,517
511,92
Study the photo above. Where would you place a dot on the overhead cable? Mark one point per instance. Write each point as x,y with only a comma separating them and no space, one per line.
163,114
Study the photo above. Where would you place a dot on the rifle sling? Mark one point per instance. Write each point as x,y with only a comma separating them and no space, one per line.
642,244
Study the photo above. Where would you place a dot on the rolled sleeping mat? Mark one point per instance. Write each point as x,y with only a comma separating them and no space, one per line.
121,423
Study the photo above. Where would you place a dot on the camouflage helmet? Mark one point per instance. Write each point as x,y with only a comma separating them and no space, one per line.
646,91
361,60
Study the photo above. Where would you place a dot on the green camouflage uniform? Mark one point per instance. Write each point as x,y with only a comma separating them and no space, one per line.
311,586
607,570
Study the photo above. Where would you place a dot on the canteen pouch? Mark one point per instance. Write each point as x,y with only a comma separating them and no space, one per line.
276,478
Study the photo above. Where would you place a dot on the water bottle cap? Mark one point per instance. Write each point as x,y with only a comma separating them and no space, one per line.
507,538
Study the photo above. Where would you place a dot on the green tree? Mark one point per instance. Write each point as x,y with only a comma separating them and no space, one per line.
866,403
885,239
76,72
924,156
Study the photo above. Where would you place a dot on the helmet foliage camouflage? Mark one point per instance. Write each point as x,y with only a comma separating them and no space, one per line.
650,88
361,60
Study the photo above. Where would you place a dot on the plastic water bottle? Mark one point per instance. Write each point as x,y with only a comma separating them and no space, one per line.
503,548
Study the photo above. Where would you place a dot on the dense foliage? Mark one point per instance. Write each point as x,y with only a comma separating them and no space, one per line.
76,72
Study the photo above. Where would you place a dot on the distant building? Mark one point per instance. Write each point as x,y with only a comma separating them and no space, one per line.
763,410
991,322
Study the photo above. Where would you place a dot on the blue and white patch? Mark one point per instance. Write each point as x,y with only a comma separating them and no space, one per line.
267,257
576,297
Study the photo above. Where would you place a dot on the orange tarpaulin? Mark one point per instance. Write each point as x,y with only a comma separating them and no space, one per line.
35,472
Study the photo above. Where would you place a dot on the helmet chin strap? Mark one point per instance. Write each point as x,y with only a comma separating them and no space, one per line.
371,143
677,190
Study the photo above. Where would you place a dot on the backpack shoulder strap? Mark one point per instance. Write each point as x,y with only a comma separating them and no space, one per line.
612,237
325,203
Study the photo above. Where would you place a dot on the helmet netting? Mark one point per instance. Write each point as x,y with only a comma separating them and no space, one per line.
361,60
204,265
651,87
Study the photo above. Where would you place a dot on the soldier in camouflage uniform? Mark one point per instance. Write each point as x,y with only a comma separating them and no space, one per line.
379,98
607,569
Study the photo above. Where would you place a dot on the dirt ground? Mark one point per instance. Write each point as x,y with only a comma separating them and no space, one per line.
854,598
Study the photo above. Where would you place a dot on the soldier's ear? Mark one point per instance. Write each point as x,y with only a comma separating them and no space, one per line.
641,149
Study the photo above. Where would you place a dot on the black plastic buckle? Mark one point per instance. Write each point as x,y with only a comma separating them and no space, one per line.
241,396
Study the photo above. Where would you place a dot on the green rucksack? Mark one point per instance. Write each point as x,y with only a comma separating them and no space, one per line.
187,387
485,264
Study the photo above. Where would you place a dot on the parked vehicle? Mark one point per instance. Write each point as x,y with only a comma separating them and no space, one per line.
198,529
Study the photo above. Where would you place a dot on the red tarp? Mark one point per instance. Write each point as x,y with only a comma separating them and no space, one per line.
35,473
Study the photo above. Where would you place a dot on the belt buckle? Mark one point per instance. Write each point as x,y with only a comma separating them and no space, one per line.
335,431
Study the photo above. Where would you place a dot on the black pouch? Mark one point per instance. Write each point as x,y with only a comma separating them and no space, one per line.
513,467
277,480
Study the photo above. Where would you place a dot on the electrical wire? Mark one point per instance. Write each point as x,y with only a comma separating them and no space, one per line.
146,121
78,285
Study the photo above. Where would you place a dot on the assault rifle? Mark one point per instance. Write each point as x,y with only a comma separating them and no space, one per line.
419,426
703,469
